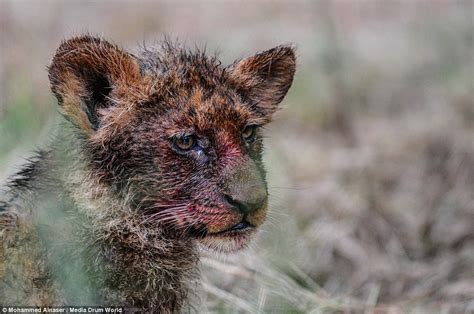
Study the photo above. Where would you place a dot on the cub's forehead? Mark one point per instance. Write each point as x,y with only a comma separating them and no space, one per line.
194,92
204,111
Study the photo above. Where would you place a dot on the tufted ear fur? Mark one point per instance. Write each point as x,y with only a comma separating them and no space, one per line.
85,72
265,78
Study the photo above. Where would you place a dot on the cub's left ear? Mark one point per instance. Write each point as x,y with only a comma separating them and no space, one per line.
87,74
264,79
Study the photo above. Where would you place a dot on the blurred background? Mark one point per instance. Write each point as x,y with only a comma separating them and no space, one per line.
370,163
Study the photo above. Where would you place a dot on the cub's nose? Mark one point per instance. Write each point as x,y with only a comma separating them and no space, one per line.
245,206
245,190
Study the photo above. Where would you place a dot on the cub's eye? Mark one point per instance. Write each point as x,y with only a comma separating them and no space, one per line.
185,142
248,134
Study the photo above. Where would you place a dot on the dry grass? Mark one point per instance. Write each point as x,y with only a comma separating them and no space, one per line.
371,164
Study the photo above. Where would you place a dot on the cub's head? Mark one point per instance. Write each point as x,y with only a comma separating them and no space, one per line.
174,133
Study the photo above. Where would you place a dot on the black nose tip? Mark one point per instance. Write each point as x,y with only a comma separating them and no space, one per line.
244,207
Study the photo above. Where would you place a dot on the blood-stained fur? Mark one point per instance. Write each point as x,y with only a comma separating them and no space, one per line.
158,153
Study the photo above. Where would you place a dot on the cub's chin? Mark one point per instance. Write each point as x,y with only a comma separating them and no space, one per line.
228,241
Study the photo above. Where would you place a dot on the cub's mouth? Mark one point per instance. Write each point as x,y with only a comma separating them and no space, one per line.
228,241
235,236
239,228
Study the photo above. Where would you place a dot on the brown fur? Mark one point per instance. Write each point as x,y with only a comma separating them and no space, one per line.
112,213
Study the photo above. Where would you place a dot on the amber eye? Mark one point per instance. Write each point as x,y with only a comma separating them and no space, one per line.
185,142
248,134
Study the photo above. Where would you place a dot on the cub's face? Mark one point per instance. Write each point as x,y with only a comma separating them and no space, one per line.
176,134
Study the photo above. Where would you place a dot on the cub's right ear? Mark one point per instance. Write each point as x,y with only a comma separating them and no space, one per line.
265,78
86,74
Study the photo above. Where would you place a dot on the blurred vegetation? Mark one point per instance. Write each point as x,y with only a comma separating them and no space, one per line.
371,162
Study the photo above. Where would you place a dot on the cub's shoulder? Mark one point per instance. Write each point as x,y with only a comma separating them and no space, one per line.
8,223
